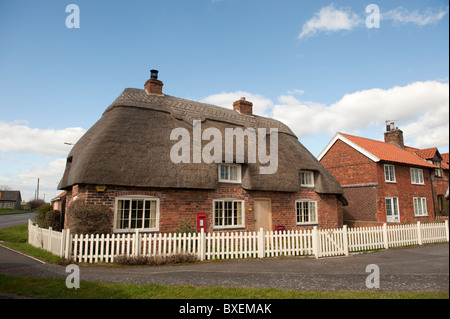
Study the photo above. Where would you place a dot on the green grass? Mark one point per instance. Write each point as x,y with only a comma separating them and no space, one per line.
56,289
16,238
7,211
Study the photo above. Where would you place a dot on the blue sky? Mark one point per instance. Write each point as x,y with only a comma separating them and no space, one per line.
314,65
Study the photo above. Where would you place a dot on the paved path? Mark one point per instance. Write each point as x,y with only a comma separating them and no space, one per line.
423,268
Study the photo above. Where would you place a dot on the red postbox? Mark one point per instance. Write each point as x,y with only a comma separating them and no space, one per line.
280,228
201,221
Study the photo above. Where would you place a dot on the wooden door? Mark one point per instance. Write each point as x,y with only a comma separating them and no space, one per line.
263,214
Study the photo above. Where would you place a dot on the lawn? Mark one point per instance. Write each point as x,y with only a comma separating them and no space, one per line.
7,211
16,238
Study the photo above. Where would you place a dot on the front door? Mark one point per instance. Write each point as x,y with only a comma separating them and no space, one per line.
392,214
263,214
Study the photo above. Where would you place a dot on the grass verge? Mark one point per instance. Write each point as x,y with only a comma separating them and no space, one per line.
56,289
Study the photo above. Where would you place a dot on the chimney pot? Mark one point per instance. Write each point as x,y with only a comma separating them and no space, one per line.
154,74
153,85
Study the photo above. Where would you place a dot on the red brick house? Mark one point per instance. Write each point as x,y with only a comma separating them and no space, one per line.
124,161
386,181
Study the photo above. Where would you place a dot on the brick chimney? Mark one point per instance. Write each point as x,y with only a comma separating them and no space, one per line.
243,106
394,136
153,85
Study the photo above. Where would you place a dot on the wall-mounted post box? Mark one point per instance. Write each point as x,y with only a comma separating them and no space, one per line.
201,221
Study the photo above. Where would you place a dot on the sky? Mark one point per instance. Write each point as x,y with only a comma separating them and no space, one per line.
320,67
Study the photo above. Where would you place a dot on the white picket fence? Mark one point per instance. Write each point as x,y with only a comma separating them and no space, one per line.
231,245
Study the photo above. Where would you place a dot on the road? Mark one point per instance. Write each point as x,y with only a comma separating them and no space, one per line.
15,219
419,268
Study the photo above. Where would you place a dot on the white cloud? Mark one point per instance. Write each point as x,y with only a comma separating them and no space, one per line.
420,106
19,137
402,16
226,99
330,19
26,181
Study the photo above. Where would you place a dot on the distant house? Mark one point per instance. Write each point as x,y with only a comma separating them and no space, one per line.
10,199
124,161
386,181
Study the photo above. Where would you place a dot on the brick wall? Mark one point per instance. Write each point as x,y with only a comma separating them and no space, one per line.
405,191
362,202
182,205
349,166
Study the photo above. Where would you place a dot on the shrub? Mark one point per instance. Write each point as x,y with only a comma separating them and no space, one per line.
40,218
155,260
36,203
84,218
53,219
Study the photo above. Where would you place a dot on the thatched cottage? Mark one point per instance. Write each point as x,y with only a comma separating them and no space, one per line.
133,160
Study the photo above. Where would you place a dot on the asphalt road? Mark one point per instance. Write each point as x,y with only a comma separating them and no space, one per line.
423,268
420,268
15,219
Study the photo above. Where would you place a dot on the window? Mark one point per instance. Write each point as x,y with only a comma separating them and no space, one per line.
307,178
228,213
438,171
417,176
420,206
392,213
229,173
389,173
306,211
136,213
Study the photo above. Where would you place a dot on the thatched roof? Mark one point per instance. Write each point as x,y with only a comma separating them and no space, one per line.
130,146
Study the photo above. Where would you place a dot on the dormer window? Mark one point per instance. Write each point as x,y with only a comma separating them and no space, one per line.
229,173
307,178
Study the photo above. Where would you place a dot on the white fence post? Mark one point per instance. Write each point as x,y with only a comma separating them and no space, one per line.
202,244
419,233
345,240
68,248
385,236
261,247
446,230
137,243
316,242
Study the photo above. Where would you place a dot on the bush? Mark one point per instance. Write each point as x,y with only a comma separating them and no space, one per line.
82,218
155,260
53,219
36,203
40,218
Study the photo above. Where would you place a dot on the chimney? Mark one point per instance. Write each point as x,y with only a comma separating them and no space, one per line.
394,136
153,85
243,106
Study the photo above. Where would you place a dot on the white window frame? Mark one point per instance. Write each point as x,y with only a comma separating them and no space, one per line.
233,225
300,218
417,176
390,176
307,180
393,200
420,206
228,168
135,198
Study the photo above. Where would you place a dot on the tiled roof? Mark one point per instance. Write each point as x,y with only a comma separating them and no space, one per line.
445,157
427,153
387,151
